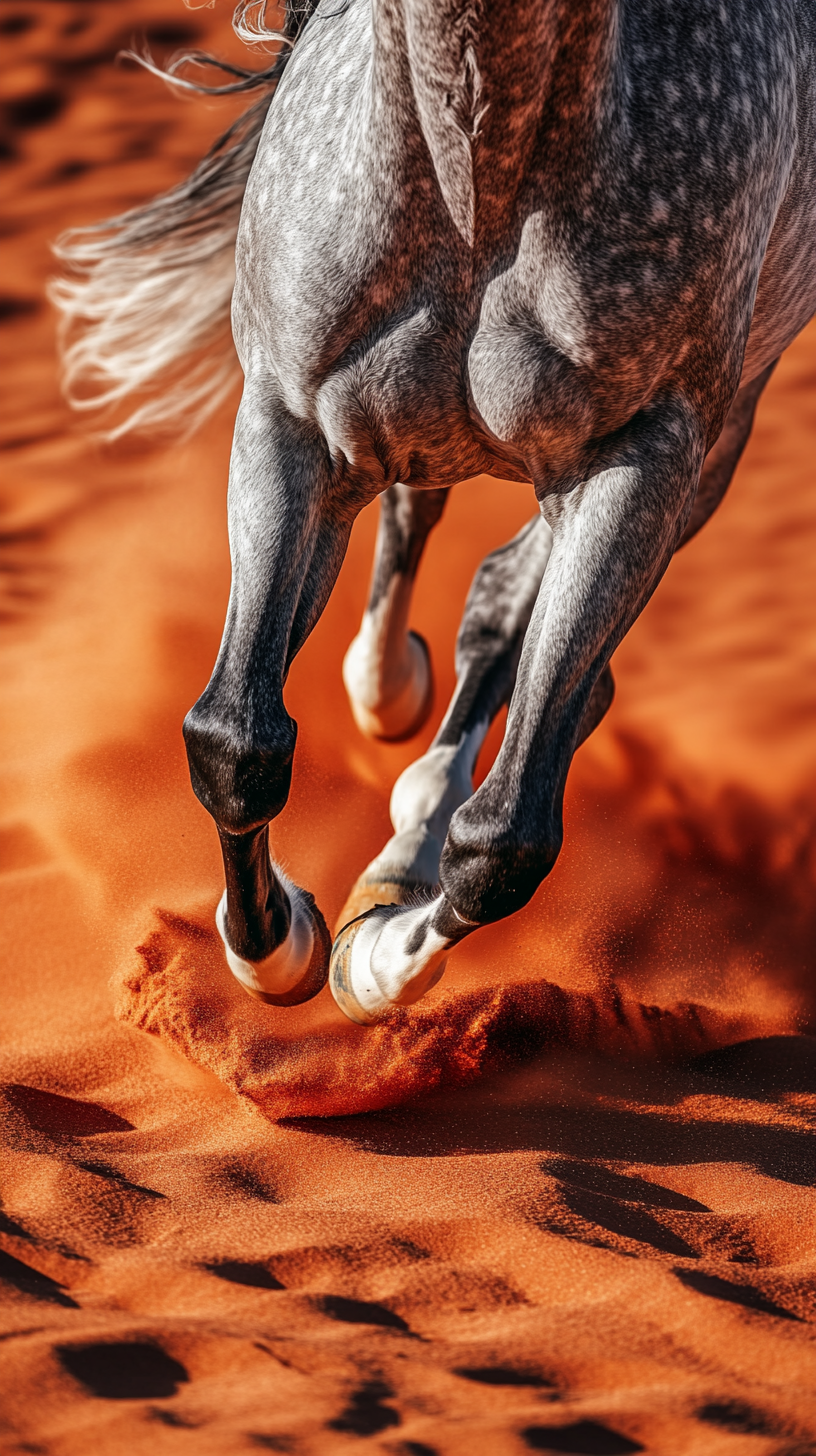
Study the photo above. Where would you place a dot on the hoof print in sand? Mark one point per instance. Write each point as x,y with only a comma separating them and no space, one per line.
365,1414
504,1375
741,1419
58,1117
299,1062
252,1276
589,1438
744,1295
359,1312
17,1275
130,1370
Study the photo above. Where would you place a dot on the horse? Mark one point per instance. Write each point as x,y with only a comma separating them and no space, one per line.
562,242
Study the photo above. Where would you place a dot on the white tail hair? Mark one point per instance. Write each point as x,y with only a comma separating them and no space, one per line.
145,300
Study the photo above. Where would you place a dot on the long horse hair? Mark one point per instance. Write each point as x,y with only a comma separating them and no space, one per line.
150,289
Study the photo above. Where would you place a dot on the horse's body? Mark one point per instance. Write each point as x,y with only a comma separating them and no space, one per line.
554,242
500,289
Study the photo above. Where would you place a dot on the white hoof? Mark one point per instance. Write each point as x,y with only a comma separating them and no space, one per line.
370,971
298,969
400,715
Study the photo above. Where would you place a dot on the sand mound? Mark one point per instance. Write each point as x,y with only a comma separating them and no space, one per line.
308,1065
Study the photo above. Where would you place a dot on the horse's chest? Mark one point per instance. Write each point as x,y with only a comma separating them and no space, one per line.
393,408
538,383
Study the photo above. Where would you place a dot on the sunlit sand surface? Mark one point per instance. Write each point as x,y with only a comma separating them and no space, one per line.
566,1202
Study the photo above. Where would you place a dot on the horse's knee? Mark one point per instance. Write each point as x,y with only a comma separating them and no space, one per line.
488,878
241,774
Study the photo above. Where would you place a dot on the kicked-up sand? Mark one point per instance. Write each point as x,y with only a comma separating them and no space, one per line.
566,1203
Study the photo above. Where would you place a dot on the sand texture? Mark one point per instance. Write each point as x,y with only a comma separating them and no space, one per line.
566,1203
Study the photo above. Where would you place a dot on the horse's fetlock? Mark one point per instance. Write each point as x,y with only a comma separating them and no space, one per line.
485,883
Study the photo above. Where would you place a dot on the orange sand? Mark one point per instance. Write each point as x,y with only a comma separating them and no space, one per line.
593,1246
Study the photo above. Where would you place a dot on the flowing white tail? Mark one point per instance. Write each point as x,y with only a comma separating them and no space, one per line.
145,300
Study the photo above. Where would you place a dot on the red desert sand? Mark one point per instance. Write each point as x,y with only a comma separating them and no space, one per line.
563,1205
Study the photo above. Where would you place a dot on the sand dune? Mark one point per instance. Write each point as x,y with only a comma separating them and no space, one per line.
564,1205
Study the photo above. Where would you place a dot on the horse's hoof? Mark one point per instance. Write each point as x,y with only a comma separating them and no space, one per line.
359,998
259,977
404,715
367,998
368,892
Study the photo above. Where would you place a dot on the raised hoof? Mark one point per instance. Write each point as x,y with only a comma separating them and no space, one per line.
406,714
340,980
365,997
368,892
317,971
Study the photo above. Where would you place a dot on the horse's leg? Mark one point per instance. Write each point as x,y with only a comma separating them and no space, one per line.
723,457
288,537
613,536
497,610
387,669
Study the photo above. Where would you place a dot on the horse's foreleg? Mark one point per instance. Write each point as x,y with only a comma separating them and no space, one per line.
497,610
287,542
387,669
613,537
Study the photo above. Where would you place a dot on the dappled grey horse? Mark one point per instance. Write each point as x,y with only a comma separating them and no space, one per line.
556,241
